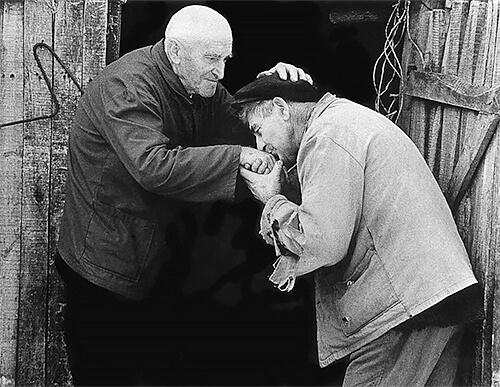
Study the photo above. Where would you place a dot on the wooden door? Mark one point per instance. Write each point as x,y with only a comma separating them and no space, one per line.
450,109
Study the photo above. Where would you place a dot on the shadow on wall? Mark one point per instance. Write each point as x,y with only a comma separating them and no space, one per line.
232,327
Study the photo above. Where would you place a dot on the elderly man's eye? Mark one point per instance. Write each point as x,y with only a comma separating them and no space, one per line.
212,59
255,129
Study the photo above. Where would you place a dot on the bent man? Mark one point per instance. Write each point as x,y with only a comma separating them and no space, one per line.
393,281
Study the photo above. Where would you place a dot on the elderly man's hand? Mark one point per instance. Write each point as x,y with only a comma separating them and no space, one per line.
264,187
256,160
288,71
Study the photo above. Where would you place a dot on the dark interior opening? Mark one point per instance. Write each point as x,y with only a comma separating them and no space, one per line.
229,325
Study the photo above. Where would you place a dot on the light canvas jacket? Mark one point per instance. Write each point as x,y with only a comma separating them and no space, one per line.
373,225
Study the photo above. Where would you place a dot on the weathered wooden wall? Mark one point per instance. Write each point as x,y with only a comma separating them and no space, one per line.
452,78
32,175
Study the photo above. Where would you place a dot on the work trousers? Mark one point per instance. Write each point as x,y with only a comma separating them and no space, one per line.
116,341
399,358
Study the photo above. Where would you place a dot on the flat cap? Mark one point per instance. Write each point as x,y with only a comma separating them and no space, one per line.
270,86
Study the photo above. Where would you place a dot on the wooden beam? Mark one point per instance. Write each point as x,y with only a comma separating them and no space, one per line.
466,166
452,90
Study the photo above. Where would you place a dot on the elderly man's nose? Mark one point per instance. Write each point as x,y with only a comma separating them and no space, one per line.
219,70
260,144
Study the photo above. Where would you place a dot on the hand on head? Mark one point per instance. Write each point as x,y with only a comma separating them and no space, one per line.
287,71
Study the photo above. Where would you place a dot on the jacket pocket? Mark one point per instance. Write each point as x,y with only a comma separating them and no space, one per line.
117,242
365,295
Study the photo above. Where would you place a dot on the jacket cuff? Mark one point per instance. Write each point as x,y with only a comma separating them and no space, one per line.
268,216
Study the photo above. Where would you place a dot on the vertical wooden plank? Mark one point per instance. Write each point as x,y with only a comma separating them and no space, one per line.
419,25
451,115
474,217
467,59
484,199
495,47
405,101
11,137
68,27
454,39
94,38
433,135
482,42
482,227
32,327
493,68
436,41
495,251
113,33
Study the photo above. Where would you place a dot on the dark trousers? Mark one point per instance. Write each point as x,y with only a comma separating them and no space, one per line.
115,341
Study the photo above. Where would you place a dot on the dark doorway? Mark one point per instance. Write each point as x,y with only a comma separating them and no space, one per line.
231,326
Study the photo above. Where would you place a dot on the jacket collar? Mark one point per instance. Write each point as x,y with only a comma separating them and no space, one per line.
321,106
161,60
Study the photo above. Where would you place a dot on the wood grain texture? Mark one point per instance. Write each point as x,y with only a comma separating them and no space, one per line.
451,115
113,34
67,42
33,174
470,54
94,38
32,326
11,147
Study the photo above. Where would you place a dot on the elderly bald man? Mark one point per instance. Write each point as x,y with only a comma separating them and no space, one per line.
147,134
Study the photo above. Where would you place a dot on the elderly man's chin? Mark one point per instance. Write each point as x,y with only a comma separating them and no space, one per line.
208,89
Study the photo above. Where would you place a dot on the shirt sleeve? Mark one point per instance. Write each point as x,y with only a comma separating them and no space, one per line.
319,230
132,124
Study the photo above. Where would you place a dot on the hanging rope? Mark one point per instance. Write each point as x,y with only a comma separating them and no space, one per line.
55,101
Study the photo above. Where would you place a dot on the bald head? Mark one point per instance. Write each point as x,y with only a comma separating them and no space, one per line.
198,23
198,42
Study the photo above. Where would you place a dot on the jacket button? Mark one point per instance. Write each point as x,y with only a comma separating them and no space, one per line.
349,283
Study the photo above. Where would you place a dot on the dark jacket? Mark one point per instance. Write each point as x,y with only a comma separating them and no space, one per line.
137,144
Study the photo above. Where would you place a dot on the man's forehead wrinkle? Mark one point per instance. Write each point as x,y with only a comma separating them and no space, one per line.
209,47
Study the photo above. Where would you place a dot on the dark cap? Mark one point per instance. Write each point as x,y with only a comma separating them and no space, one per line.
270,86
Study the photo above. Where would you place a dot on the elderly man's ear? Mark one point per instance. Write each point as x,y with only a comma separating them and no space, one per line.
282,107
173,48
